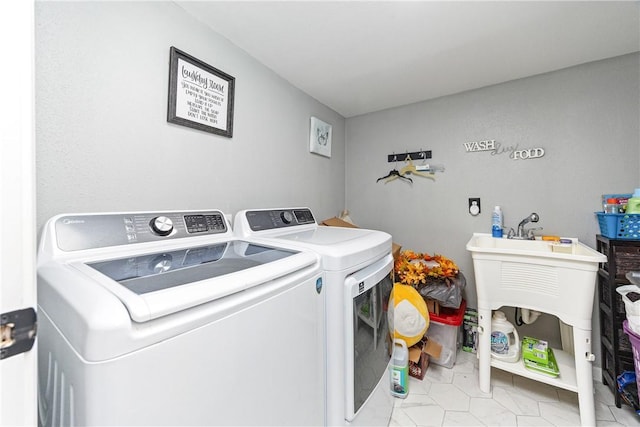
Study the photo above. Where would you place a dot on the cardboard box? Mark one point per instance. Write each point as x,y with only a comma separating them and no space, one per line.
337,222
433,306
419,356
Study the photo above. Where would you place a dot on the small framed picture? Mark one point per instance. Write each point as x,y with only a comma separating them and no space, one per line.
320,137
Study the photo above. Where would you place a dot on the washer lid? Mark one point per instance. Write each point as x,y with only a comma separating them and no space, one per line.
160,283
340,247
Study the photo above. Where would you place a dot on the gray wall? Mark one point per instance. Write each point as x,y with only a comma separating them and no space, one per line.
586,118
103,142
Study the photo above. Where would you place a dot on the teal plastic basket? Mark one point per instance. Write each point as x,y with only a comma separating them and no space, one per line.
619,226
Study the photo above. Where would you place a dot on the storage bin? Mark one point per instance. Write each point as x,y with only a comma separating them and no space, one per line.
632,308
635,346
619,226
444,328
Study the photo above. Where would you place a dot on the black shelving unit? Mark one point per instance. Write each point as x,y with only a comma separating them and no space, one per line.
616,353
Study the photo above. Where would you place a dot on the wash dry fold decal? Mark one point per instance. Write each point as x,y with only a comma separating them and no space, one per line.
496,148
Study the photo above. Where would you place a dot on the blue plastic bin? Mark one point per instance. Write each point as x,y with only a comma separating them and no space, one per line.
619,226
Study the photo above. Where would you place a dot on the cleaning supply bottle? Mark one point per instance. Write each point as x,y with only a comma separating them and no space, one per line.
505,342
496,222
612,206
633,204
399,370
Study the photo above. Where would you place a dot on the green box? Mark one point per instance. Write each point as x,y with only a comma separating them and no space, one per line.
535,350
551,369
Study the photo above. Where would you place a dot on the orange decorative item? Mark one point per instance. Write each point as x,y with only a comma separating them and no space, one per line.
414,269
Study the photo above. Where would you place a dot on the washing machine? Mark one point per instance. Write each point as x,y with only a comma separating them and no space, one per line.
166,318
357,265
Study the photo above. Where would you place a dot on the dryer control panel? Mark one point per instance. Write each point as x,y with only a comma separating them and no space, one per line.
279,218
89,231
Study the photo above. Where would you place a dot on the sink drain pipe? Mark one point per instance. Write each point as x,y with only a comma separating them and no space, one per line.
526,316
566,331
529,316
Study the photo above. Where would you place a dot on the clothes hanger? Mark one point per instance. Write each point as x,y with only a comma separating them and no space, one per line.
393,174
410,169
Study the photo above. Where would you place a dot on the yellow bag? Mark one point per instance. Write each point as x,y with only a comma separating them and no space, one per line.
408,316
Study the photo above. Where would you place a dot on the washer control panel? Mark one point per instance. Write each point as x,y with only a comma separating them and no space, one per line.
76,232
279,218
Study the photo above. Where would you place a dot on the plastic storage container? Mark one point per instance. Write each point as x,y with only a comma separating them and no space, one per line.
505,342
445,328
399,369
612,206
635,347
631,305
619,226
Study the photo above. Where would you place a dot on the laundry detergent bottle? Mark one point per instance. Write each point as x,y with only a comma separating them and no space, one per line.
399,369
505,342
633,205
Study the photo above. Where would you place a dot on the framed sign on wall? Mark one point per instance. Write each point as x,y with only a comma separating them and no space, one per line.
200,96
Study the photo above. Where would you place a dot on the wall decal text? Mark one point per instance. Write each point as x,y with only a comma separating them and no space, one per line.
496,148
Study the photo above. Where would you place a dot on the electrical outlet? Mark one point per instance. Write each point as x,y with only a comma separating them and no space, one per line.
474,205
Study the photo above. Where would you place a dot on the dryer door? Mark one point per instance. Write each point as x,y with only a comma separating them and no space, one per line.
367,295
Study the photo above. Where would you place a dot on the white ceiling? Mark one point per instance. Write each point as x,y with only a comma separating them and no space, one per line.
362,56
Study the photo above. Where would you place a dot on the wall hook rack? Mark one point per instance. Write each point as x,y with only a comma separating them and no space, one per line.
415,155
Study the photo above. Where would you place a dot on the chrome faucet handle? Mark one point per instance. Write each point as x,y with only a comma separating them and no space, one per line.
530,231
511,234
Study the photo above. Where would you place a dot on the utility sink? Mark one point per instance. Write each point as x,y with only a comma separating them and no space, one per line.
550,277
576,251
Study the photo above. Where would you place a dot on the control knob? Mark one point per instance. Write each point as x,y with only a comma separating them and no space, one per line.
161,225
286,217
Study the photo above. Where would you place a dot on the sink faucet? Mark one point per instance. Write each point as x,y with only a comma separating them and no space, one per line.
522,233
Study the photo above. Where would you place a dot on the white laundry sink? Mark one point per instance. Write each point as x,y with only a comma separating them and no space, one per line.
540,275
576,251
553,278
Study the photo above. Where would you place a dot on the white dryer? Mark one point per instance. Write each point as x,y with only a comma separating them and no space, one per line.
357,264
165,318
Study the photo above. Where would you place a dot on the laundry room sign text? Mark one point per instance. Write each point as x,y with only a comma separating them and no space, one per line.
200,96
514,152
474,146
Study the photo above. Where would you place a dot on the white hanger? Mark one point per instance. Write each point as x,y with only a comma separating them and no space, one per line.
410,169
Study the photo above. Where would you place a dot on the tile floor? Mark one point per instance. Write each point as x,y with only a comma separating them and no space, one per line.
451,397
